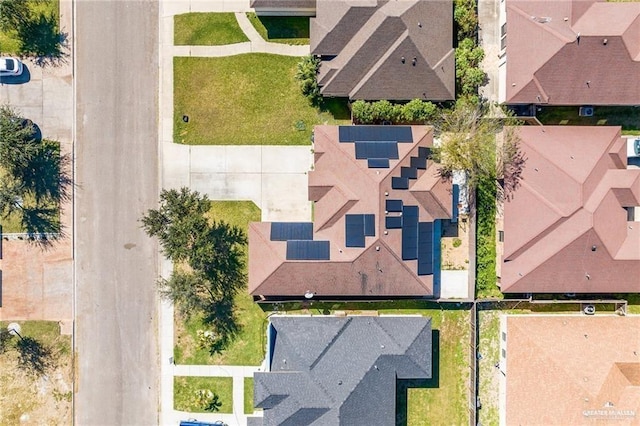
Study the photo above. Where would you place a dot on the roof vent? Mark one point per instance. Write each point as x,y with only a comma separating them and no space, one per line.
605,41
541,19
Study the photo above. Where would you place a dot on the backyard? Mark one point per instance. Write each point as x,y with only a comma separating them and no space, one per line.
210,29
626,116
250,99
29,397
489,379
247,348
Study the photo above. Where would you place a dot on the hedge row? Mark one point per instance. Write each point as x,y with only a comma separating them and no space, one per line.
413,112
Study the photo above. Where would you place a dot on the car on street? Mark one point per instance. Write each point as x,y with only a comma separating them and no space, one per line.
10,67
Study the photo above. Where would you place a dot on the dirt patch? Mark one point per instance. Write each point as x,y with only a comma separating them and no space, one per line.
455,245
31,398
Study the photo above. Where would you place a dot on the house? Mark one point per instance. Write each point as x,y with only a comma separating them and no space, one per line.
340,370
570,52
570,370
571,226
395,50
284,7
378,207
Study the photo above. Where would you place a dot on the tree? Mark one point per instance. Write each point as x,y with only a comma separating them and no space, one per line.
38,32
34,176
208,256
482,147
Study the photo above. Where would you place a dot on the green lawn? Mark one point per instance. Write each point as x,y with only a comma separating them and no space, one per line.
9,42
626,116
250,99
185,388
247,348
209,29
248,395
282,29
443,398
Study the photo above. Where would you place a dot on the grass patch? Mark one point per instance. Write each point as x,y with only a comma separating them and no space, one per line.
248,395
247,348
486,277
207,29
10,43
281,29
489,381
24,391
250,99
626,116
185,388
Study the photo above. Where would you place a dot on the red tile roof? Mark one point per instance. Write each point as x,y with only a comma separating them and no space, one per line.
572,197
341,184
573,52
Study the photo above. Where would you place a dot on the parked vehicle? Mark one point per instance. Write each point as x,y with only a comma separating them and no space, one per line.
10,67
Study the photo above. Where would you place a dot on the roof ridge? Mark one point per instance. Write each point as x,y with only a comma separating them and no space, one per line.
330,344
374,68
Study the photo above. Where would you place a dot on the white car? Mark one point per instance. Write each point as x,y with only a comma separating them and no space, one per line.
10,67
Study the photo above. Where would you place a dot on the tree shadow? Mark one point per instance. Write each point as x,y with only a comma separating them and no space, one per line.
402,386
214,405
222,317
34,356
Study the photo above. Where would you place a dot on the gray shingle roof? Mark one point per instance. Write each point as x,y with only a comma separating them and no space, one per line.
340,371
363,43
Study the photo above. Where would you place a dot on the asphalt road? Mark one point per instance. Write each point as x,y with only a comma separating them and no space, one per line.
117,371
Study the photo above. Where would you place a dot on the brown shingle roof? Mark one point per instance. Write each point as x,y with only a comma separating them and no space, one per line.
547,62
571,199
570,370
363,43
340,184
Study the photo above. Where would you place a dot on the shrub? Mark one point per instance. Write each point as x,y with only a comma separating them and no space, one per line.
307,76
457,242
413,112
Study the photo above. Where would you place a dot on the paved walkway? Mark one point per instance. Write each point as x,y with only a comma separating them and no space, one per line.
273,177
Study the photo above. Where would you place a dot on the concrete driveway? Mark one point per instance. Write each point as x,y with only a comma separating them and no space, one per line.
273,177
37,284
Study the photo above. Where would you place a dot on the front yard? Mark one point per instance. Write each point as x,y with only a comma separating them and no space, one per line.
250,99
29,396
210,29
186,395
281,29
247,348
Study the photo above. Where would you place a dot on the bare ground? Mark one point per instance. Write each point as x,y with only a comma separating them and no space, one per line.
28,398
455,234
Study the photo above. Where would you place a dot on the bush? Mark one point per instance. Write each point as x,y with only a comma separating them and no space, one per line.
464,14
486,278
413,112
469,75
457,242
307,76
